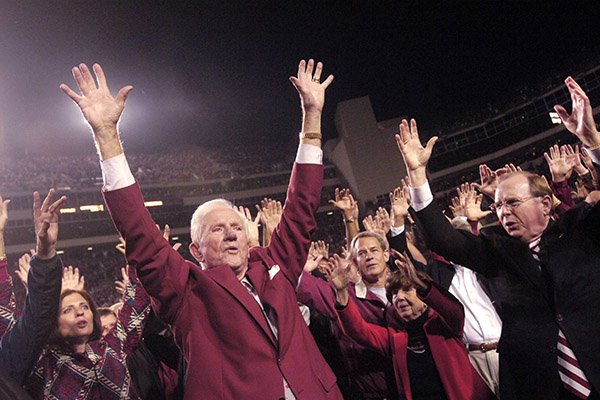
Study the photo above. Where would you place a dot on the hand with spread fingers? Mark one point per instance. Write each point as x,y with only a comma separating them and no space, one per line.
72,279
581,120
99,108
415,155
341,278
560,166
405,265
270,212
471,203
400,203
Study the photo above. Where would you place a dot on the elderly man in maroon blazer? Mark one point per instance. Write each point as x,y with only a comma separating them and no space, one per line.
237,319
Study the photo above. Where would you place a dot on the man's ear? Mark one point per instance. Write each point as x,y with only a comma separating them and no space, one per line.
386,255
195,252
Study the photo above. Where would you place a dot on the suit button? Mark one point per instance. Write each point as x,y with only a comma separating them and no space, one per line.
559,317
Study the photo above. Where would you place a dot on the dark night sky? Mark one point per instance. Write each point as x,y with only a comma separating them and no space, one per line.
216,72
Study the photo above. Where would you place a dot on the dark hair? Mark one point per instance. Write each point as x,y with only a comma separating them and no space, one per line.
56,340
106,311
397,280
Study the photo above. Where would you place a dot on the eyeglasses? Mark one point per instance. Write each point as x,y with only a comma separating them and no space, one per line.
511,204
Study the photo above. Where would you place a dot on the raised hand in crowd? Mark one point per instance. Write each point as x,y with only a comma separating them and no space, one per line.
312,94
341,278
581,120
72,279
344,201
318,251
380,223
252,224
560,166
45,216
471,202
574,158
122,284
400,203
99,108
269,212
589,164
405,265
415,155
23,271
457,207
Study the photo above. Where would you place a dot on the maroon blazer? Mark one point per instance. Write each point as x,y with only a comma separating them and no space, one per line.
230,350
443,329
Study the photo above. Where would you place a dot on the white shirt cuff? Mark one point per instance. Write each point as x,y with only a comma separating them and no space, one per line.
395,231
594,155
420,197
309,154
116,173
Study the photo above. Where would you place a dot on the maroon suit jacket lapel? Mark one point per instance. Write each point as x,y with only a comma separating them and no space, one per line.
228,281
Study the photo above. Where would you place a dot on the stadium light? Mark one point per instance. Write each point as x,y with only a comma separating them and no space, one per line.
155,203
60,252
555,118
92,208
68,210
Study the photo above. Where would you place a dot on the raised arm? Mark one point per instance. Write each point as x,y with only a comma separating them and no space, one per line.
131,317
22,345
291,240
462,248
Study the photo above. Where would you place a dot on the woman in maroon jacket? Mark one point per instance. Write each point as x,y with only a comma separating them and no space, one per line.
429,358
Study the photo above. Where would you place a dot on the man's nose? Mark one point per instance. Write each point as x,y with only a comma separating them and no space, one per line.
231,235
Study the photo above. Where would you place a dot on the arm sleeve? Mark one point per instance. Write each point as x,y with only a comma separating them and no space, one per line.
447,306
369,335
291,238
22,345
130,321
7,300
461,247
163,272
317,295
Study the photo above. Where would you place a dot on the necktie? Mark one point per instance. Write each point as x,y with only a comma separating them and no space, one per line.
569,370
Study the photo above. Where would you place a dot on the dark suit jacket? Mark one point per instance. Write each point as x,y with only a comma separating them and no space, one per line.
230,350
535,302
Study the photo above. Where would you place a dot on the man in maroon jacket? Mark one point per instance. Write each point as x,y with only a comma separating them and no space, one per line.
237,319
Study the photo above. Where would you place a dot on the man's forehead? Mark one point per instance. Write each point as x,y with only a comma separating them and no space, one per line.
515,186
367,242
222,214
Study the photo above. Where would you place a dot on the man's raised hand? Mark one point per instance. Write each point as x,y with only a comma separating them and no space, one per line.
99,108
309,86
415,155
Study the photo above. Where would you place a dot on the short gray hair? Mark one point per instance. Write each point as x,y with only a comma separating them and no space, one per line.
201,212
383,243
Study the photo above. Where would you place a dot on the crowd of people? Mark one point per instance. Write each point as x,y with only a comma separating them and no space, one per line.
495,299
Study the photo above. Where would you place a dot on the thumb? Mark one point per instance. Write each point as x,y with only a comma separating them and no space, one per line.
123,93
562,113
430,143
